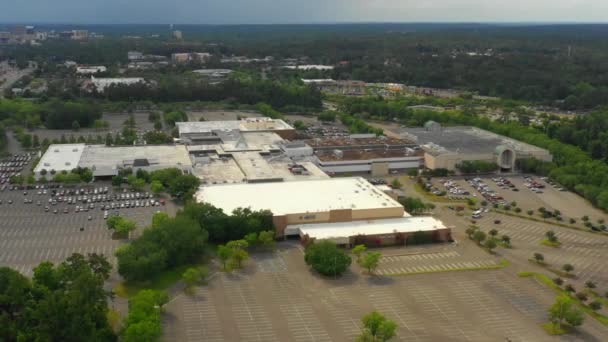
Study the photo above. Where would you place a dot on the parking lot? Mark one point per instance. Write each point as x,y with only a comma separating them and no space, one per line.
30,234
290,303
584,251
525,191
14,165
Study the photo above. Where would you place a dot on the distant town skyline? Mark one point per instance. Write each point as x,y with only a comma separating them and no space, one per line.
292,11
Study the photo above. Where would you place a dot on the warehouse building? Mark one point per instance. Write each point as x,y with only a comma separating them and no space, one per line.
366,154
446,147
344,210
106,161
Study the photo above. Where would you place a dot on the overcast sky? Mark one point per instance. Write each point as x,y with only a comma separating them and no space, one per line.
299,11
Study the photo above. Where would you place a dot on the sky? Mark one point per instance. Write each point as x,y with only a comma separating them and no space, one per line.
298,11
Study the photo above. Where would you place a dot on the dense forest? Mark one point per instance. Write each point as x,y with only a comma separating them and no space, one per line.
557,65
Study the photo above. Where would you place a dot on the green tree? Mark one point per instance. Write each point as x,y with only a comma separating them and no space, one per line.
590,285
252,239
239,251
358,250
551,236
396,184
493,233
75,125
595,305
266,239
568,268
136,183
224,253
506,239
490,244
371,261
194,276
565,310
326,258
539,257
479,236
376,328
144,320
156,187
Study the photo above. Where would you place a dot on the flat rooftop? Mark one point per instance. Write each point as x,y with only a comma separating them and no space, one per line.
244,125
465,139
60,157
346,155
339,231
297,196
354,141
105,160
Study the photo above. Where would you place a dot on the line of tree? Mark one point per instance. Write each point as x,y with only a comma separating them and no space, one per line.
65,302
477,166
53,113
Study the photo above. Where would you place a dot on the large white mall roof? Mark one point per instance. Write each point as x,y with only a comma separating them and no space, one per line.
297,197
339,232
60,157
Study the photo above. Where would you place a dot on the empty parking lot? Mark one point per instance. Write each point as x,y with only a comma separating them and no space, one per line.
286,302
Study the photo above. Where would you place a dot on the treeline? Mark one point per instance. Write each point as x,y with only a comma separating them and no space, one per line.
572,166
173,242
53,114
172,89
65,302
477,166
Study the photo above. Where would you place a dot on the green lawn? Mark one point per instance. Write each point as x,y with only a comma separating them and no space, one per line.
161,282
548,243
554,329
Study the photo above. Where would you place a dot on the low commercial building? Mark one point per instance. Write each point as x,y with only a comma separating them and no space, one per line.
211,131
101,84
366,153
90,70
446,147
213,73
343,87
106,161
345,210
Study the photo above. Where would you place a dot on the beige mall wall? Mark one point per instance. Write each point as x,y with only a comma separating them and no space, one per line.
379,169
370,214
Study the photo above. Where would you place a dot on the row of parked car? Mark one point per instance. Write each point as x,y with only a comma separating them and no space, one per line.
453,188
12,166
504,183
533,185
487,193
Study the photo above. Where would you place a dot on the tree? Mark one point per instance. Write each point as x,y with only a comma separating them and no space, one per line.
569,288
326,258
193,276
564,309
224,253
568,268
156,187
358,250
376,328
595,305
117,180
479,236
252,238
539,257
551,237
590,285
582,296
73,288
75,125
490,244
327,116
183,186
239,251
506,239
558,281
396,184
266,239
371,261
144,321
493,233
136,183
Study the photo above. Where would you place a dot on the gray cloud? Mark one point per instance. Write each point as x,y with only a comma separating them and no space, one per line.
299,11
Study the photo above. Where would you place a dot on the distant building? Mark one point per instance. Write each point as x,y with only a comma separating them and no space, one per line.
70,64
135,55
5,37
178,35
445,148
181,57
80,35
101,84
90,70
343,87
213,73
